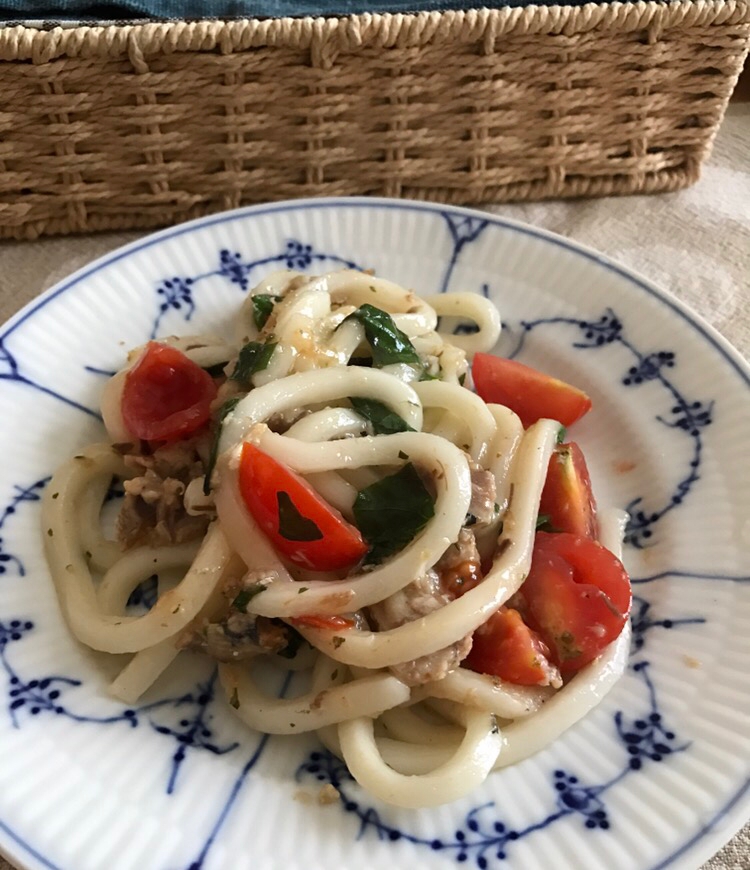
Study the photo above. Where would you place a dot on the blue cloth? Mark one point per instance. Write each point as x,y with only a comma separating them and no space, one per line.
191,9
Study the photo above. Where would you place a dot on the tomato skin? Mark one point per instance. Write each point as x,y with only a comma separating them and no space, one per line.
567,497
263,480
506,647
166,396
529,393
578,596
328,623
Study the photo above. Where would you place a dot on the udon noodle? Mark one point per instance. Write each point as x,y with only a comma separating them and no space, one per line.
345,399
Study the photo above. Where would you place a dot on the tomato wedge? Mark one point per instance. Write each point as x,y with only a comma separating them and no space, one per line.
329,623
166,396
578,596
528,392
300,525
567,499
506,647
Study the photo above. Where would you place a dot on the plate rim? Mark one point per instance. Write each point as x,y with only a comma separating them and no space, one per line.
733,814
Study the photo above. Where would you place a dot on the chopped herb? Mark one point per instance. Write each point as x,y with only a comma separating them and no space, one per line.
496,507
389,345
402,455
302,589
384,421
235,699
561,433
262,307
55,495
392,511
462,379
216,370
566,646
224,411
292,525
253,358
337,641
50,532
244,597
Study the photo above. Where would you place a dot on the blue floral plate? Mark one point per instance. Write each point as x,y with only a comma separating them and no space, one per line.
657,776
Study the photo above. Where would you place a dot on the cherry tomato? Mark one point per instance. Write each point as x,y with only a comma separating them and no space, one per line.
506,647
331,623
567,499
300,525
578,596
528,392
166,396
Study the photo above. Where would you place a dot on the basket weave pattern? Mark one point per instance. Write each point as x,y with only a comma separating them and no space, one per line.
147,125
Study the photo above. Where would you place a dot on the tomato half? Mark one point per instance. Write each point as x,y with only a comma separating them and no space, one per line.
528,392
578,596
506,647
166,396
300,525
567,499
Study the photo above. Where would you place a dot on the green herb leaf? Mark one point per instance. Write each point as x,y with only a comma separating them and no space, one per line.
244,596
392,511
254,357
389,345
225,409
561,433
384,421
292,525
262,307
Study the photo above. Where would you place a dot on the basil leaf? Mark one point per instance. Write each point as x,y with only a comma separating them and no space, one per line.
254,357
262,307
389,345
292,525
384,421
225,409
392,511
244,596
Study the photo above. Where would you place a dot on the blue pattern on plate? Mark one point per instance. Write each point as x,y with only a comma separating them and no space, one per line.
177,293
645,739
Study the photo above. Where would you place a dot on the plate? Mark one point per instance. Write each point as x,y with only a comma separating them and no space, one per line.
656,776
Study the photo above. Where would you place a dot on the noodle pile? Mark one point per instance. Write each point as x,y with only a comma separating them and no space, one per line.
413,745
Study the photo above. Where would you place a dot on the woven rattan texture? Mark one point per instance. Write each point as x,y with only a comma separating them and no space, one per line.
148,125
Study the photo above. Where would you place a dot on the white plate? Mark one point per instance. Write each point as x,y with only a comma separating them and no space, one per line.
656,776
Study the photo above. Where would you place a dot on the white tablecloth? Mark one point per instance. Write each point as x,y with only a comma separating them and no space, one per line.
695,243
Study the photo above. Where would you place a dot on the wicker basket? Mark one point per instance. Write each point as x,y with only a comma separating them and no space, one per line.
150,124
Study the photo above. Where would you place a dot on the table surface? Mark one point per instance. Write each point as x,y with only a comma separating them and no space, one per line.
694,243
